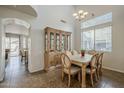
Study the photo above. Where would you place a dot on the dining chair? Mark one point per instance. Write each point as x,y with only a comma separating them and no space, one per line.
68,53
92,52
68,68
74,52
99,64
92,68
22,53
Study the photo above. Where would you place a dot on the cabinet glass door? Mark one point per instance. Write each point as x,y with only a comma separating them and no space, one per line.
46,38
63,42
57,42
51,41
68,43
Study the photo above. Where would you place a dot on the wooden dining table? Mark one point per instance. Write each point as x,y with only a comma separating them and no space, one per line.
82,62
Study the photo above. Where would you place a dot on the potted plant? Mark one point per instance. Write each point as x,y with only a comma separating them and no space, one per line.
82,52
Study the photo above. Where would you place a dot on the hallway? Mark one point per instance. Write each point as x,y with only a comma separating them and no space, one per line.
14,69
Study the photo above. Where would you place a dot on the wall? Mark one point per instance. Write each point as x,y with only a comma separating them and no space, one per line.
47,16
2,53
115,59
1,70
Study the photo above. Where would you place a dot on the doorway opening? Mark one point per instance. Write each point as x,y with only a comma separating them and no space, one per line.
12,43
14,62
17,47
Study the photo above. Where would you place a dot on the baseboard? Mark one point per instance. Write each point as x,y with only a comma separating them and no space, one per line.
109,68
34,70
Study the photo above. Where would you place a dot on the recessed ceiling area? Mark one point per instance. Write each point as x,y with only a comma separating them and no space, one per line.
27,9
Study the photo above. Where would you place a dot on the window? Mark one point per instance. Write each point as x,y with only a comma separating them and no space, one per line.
103,39
88,40
24,42
7,45
97,21
96,33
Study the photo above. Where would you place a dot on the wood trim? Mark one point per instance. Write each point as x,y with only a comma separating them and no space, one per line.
113,69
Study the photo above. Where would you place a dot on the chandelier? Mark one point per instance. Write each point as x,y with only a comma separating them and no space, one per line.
80,15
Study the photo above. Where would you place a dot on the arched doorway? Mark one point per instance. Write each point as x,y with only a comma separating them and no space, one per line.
25,13
16,39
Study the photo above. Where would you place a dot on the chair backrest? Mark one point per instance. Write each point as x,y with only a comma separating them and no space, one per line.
94,60
92,52
74,52
22,52
66,62
100,58
68,53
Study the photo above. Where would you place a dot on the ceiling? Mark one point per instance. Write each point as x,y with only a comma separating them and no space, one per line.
27,9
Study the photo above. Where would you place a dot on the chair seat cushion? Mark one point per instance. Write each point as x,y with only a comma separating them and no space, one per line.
73,70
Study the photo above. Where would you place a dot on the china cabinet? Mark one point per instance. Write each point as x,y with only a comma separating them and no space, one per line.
56,41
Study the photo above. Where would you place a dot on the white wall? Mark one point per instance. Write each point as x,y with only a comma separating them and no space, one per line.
47,16
2,53
115,59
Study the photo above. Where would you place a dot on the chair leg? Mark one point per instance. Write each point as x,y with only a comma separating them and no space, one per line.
25,60
98,72
96,76
69,80
91,78
79,76
62,75
21,58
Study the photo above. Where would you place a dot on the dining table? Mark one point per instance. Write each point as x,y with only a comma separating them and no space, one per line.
81,61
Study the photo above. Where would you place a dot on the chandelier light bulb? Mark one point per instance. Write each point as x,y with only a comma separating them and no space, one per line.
85,13
80,15
80,11
77,17
74,14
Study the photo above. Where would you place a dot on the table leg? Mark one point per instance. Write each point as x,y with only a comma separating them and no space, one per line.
83,76
25,56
